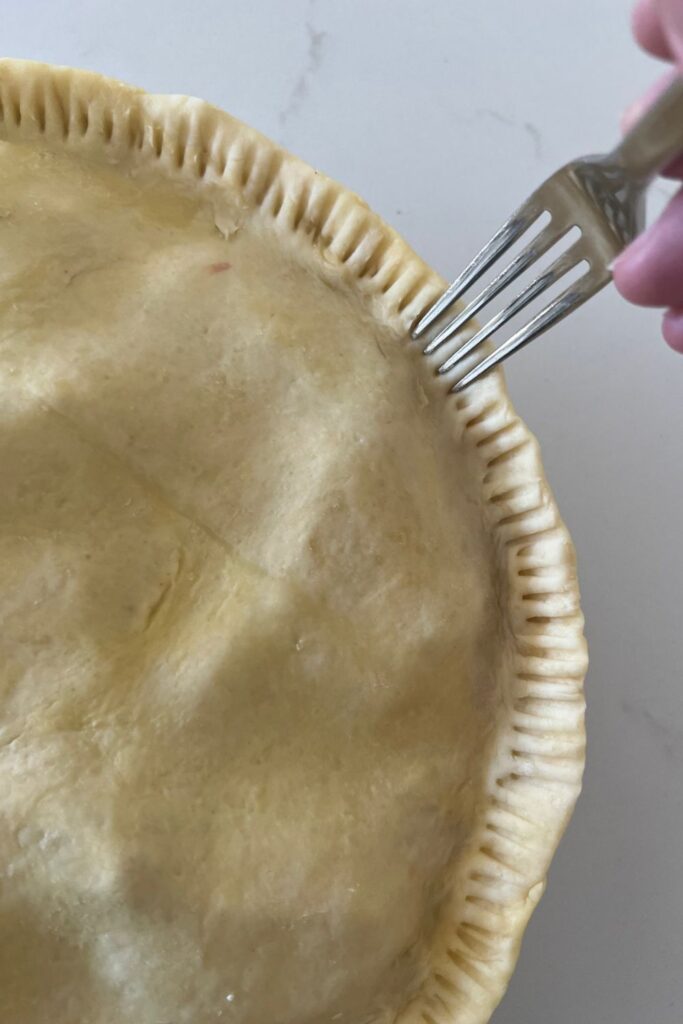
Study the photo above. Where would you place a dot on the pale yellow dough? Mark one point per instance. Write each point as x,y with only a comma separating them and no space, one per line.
259,638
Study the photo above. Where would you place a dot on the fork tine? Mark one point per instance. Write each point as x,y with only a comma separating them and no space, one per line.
501,241
562,265
566,303
525,259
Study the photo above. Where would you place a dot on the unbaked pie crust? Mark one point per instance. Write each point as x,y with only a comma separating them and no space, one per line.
291,653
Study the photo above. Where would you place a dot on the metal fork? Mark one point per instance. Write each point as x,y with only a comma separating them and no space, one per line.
603,196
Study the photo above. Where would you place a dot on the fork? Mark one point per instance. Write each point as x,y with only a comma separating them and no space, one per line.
603,196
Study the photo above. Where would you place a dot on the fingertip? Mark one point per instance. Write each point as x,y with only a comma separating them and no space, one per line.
670,14
629,272
672,329
648,272
648,29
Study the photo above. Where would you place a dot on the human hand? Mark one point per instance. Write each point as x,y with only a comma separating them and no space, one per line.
650,271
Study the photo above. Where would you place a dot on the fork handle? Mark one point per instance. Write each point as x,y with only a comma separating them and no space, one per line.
656,137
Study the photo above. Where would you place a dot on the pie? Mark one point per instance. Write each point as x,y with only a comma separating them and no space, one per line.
291,654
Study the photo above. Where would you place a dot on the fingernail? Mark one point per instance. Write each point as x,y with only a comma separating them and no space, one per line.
616,262
629,269
632,251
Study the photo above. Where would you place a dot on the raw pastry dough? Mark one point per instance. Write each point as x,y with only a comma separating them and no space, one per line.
291,654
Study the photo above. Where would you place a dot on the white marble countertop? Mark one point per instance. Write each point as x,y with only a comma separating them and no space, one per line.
443,115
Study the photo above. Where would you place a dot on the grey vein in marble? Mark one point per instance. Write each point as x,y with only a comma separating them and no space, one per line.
314,56
669,739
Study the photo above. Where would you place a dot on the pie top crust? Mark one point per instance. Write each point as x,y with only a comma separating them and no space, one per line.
291,713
